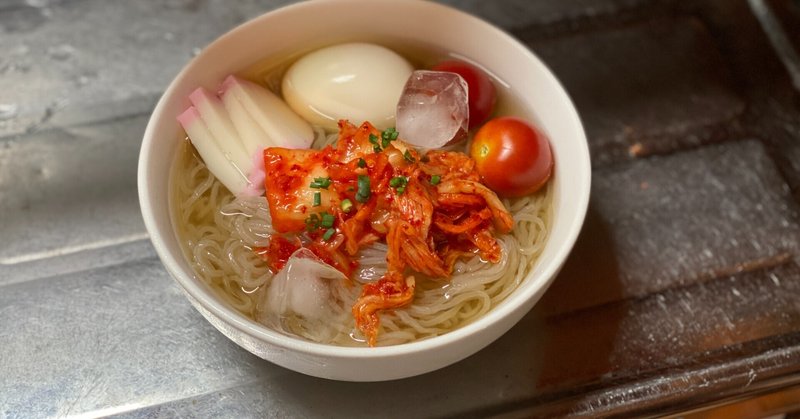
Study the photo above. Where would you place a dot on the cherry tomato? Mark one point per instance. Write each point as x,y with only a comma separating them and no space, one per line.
512,156
481,94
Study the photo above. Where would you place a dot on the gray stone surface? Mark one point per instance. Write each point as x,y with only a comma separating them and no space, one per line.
523,14
82,61
684,283
70,189
652,87
643,236
695,319
106,339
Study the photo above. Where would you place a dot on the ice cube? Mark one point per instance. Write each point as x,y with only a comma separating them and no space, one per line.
433,109
307,298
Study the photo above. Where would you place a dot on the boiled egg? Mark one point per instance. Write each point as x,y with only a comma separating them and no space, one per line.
354,81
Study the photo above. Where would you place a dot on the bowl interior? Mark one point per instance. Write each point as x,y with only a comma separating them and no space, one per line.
310,25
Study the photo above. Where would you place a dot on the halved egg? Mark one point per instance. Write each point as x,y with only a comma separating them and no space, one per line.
354,81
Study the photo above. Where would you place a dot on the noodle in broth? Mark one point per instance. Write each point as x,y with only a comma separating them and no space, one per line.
220,233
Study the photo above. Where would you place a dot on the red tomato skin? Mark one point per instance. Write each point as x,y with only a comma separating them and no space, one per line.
482,94
512,156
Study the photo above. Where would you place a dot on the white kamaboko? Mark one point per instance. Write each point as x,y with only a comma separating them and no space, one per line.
229,131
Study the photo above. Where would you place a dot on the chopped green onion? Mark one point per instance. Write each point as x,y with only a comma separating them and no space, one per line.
327,220
398,181
377,148
435,179
321,183
362,163
312,222
409,158
390,133
387,136
363,193
347,205
373,139
317,199
328,234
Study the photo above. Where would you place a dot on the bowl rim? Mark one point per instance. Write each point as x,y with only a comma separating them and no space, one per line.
523,293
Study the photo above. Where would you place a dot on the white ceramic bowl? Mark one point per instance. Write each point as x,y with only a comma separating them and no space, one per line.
324,22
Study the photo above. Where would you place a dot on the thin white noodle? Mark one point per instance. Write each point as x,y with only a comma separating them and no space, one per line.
221,234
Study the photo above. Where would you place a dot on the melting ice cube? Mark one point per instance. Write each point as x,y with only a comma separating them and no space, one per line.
433,109
306,298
